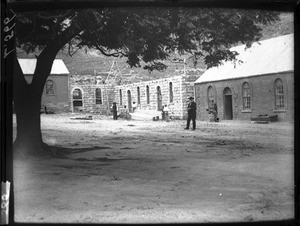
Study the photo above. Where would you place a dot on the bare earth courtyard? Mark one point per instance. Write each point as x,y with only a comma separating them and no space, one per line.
140,171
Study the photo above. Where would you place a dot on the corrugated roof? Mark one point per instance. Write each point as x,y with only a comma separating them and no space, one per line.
28,66
264,57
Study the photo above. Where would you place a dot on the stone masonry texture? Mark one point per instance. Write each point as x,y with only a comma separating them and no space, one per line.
181,89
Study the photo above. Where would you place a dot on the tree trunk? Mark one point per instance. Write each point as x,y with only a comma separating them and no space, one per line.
29,137
27,97
27,106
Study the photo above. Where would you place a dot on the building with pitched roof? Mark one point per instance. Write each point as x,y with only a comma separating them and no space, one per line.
260,82
55,95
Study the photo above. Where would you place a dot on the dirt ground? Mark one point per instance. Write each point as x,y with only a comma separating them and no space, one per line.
155,172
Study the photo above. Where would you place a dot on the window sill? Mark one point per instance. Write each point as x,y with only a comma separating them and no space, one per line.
247,111
279,111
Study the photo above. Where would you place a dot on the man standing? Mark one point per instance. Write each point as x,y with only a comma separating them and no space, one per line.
191,113
114,109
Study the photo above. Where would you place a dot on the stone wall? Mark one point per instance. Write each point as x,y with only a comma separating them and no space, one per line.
88,85
262,97
125,95
188,91
181,85
89,98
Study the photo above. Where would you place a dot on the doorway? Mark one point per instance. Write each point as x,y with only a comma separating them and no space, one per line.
77,100
159,99
129,101
228,113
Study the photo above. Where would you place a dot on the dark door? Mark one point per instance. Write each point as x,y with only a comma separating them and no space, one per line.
228,114
159,99
129,101
138,96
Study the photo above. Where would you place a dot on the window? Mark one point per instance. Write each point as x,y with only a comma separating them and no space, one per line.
210,96
49,87
171,92
120,93
148,94
98,96
77,95
279,95
246,96
138,96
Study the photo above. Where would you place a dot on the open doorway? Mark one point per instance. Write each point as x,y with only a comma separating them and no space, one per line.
228,113
77,100
159,99
129,101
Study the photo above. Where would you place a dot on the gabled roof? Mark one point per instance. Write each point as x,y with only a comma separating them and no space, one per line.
28,66
270,56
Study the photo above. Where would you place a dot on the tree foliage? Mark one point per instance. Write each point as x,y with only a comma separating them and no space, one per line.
146,34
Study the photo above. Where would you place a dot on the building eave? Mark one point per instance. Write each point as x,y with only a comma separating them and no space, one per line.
244,77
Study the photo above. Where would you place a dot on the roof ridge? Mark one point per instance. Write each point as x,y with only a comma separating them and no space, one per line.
275,55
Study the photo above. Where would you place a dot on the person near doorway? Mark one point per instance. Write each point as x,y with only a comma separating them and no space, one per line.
125,109
114,110
133,106
163,113
124,114
191,113
214,111
166,111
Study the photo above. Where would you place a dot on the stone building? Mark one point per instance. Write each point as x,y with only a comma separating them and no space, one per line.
261,83
55,94
89,94
154,94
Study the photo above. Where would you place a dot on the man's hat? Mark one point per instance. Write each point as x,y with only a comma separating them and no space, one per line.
191,98
114,102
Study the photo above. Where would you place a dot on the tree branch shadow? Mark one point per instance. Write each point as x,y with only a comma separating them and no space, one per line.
63,152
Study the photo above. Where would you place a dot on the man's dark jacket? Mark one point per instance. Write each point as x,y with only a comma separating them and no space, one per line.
192,109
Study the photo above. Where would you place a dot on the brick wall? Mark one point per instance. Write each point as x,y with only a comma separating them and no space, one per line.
262,97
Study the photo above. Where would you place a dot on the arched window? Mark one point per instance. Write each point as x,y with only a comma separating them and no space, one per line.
246,96
171,92
148,94
120,92
98,96
210,96
138,96
77,94
279,95
49,87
